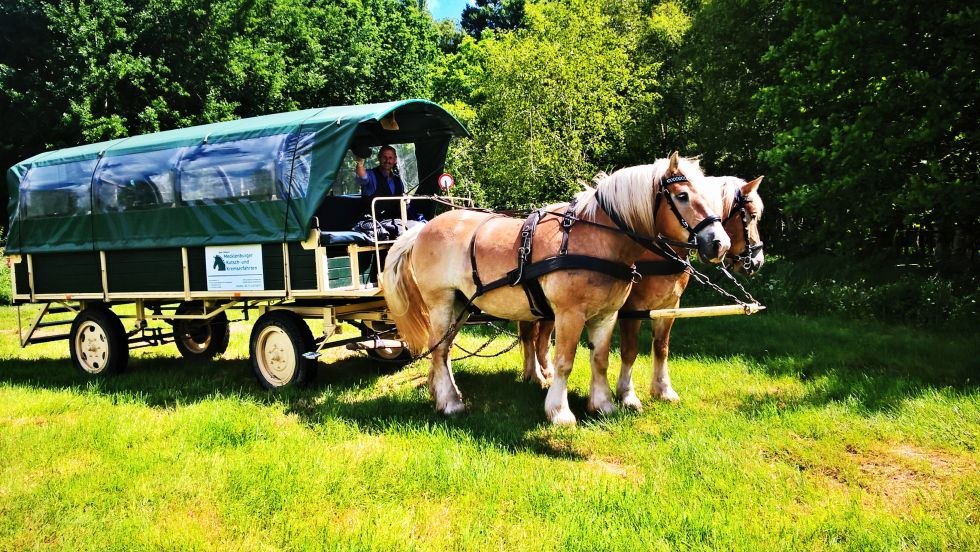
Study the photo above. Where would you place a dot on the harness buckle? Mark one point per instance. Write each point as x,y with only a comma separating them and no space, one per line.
635,275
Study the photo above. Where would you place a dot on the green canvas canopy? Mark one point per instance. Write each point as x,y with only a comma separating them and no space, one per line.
255,180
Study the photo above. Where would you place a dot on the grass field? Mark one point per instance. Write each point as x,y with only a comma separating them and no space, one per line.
792,433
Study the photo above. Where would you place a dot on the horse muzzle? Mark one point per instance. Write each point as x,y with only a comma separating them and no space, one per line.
713,243
746,264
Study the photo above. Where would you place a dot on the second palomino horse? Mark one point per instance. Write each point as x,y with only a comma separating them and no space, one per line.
577,264
664,281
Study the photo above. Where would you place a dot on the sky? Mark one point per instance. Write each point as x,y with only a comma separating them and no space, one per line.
442,9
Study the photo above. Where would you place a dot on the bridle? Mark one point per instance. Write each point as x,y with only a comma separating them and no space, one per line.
738,207
664,193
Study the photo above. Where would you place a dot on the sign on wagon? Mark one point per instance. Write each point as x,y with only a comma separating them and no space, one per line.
234,267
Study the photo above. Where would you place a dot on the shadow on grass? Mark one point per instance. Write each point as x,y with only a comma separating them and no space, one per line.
869,366
872,366
502,411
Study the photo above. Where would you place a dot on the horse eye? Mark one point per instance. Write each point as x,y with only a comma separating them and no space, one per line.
682,196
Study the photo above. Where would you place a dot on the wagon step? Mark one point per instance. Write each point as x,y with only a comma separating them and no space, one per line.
54,323
46,338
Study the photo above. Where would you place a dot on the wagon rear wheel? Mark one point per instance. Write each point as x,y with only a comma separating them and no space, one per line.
200,339
279,339
396,355
97,342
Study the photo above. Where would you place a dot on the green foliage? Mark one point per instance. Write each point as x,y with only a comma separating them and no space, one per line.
553,101
492,15
5,283
859,289
876,112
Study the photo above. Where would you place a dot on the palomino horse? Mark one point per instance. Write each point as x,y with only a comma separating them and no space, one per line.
662,285
435,272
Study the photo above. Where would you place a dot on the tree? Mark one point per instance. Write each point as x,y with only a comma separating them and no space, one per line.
877,112
553,102
89,70
492,15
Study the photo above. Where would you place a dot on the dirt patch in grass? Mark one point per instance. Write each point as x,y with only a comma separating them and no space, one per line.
613,466
902,474
896,477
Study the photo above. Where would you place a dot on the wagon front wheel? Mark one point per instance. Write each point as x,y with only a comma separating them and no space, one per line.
98,342
200,339
276,347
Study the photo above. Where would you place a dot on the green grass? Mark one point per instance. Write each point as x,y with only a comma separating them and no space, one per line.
792,433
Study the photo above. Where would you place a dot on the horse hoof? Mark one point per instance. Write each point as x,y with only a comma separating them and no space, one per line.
538,379
632,402
666,394
603,409
453,409
563,417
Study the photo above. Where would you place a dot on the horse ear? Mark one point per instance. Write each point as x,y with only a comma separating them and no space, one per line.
750,187
672,167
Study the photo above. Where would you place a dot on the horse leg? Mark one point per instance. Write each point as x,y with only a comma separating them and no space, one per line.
442,385
660,385
545,328
600,335
569,329
528,332
629,345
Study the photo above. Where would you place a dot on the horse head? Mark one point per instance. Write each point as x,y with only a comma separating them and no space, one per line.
742,225
684,214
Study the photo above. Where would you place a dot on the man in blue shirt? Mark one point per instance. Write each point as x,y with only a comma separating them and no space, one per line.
383,181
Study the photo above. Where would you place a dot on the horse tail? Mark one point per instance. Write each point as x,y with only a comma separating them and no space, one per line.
401,290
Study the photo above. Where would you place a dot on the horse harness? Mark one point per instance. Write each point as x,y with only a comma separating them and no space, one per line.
671,263
738,207
527,273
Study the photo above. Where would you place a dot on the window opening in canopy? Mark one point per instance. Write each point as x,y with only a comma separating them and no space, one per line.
408,170
136,181
61,190
229,170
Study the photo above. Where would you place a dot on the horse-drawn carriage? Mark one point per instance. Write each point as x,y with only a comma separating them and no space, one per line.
187,226
255,216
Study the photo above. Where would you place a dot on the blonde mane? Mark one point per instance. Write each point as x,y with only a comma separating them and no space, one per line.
630,192
719,192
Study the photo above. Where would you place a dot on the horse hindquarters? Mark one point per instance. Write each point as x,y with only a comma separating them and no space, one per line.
403,296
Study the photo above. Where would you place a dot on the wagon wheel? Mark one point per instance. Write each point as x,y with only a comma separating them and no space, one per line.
279,339
200,339
98,343
394,355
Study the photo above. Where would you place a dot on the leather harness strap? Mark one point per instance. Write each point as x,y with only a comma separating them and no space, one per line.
536,299
666,267
527,273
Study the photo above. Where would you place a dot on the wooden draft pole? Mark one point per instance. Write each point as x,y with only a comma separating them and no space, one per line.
695,312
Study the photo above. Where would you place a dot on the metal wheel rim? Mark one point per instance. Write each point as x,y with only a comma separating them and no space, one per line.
388,353
275,356
92,347
188,338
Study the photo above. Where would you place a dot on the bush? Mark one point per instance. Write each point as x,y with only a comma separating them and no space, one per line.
857,289
5,285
